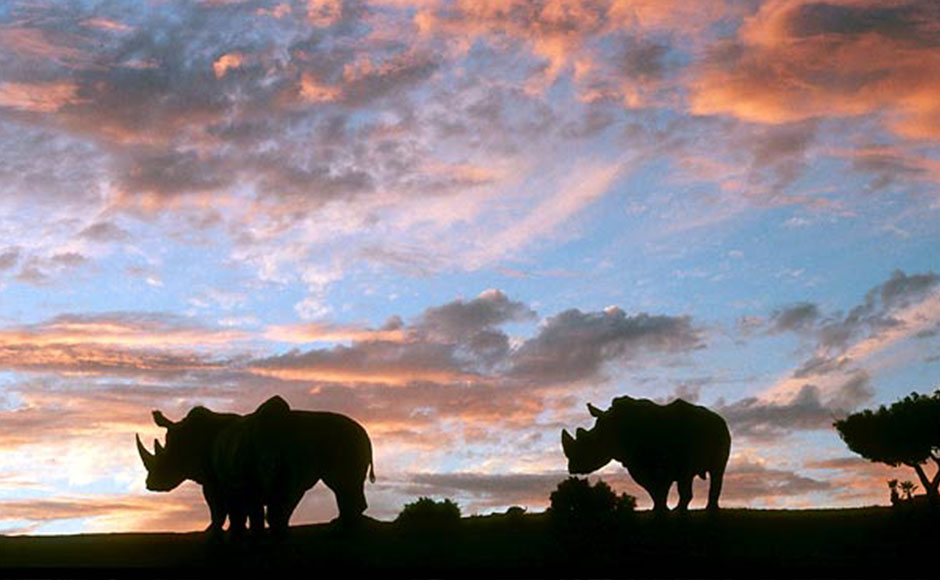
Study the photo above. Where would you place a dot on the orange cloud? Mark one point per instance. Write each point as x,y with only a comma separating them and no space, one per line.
226,62
107,24
314,332
324,13
801,59
314,91
558,32
385,376
37,97
40,45
125,330
114,344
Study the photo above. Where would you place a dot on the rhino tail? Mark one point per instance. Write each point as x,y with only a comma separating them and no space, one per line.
371,473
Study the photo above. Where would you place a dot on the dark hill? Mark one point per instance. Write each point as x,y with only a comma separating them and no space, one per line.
737,543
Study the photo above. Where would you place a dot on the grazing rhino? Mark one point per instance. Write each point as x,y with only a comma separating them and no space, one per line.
658,444
267,459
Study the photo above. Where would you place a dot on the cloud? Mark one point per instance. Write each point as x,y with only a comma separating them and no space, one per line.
582,186
892,165
461,341
575,345
899,308
137,329
169,173
373,362
457,341
749,481
746,482
116,344
459,319
488,489
878,312
800,59
795,318
184,510
37,97
318,332
105,232
64,509
9,257
807,410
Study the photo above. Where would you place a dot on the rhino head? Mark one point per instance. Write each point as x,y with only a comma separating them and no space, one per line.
169,466
588,450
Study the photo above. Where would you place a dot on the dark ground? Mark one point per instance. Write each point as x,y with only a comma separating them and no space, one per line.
869,542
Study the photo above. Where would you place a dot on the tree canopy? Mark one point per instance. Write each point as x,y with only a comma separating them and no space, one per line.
905,433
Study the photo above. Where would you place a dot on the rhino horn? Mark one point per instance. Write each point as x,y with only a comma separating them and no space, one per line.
566,441
579,432
157,448
145,455
161,420
594,411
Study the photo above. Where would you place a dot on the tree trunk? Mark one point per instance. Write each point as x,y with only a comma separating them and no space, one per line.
929,486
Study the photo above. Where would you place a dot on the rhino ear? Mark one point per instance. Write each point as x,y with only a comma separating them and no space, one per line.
594,411
566,441
161,420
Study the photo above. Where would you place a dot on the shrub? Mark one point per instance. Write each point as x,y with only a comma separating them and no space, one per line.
576,502
427,513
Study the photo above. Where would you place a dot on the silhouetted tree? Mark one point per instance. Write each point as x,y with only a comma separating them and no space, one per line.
908,487
427,513
907,432
893,486
575,502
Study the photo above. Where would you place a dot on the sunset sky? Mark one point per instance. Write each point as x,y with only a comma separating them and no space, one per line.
458,222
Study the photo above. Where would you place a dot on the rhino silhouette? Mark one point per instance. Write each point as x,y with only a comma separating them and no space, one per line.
266,459
658,445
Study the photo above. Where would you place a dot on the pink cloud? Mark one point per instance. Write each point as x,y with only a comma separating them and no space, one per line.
38,97
798,59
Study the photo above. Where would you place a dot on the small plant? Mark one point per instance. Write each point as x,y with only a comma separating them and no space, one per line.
908,487
575,502
893,486
427,513
516,512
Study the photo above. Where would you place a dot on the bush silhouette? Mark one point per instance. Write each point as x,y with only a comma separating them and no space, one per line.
575,502
427,513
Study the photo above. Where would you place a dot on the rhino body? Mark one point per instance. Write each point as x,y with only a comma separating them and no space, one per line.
657,444
265,460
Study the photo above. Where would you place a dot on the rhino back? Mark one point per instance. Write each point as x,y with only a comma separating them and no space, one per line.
674,438
325,441
296,449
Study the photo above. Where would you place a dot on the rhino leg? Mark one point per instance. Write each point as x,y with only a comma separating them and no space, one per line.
685,493
715,477
217,510
236,520
281,508
350,496
256,518
659,492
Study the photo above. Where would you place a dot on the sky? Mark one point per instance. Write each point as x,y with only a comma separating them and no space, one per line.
458,222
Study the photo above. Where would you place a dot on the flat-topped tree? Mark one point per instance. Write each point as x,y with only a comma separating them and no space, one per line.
907,432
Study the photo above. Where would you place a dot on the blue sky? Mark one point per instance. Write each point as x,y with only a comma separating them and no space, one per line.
458,222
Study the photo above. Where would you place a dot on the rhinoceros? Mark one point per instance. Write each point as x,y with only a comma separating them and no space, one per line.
267,459
658,445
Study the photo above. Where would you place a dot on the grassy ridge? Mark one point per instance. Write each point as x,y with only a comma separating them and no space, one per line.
752,543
